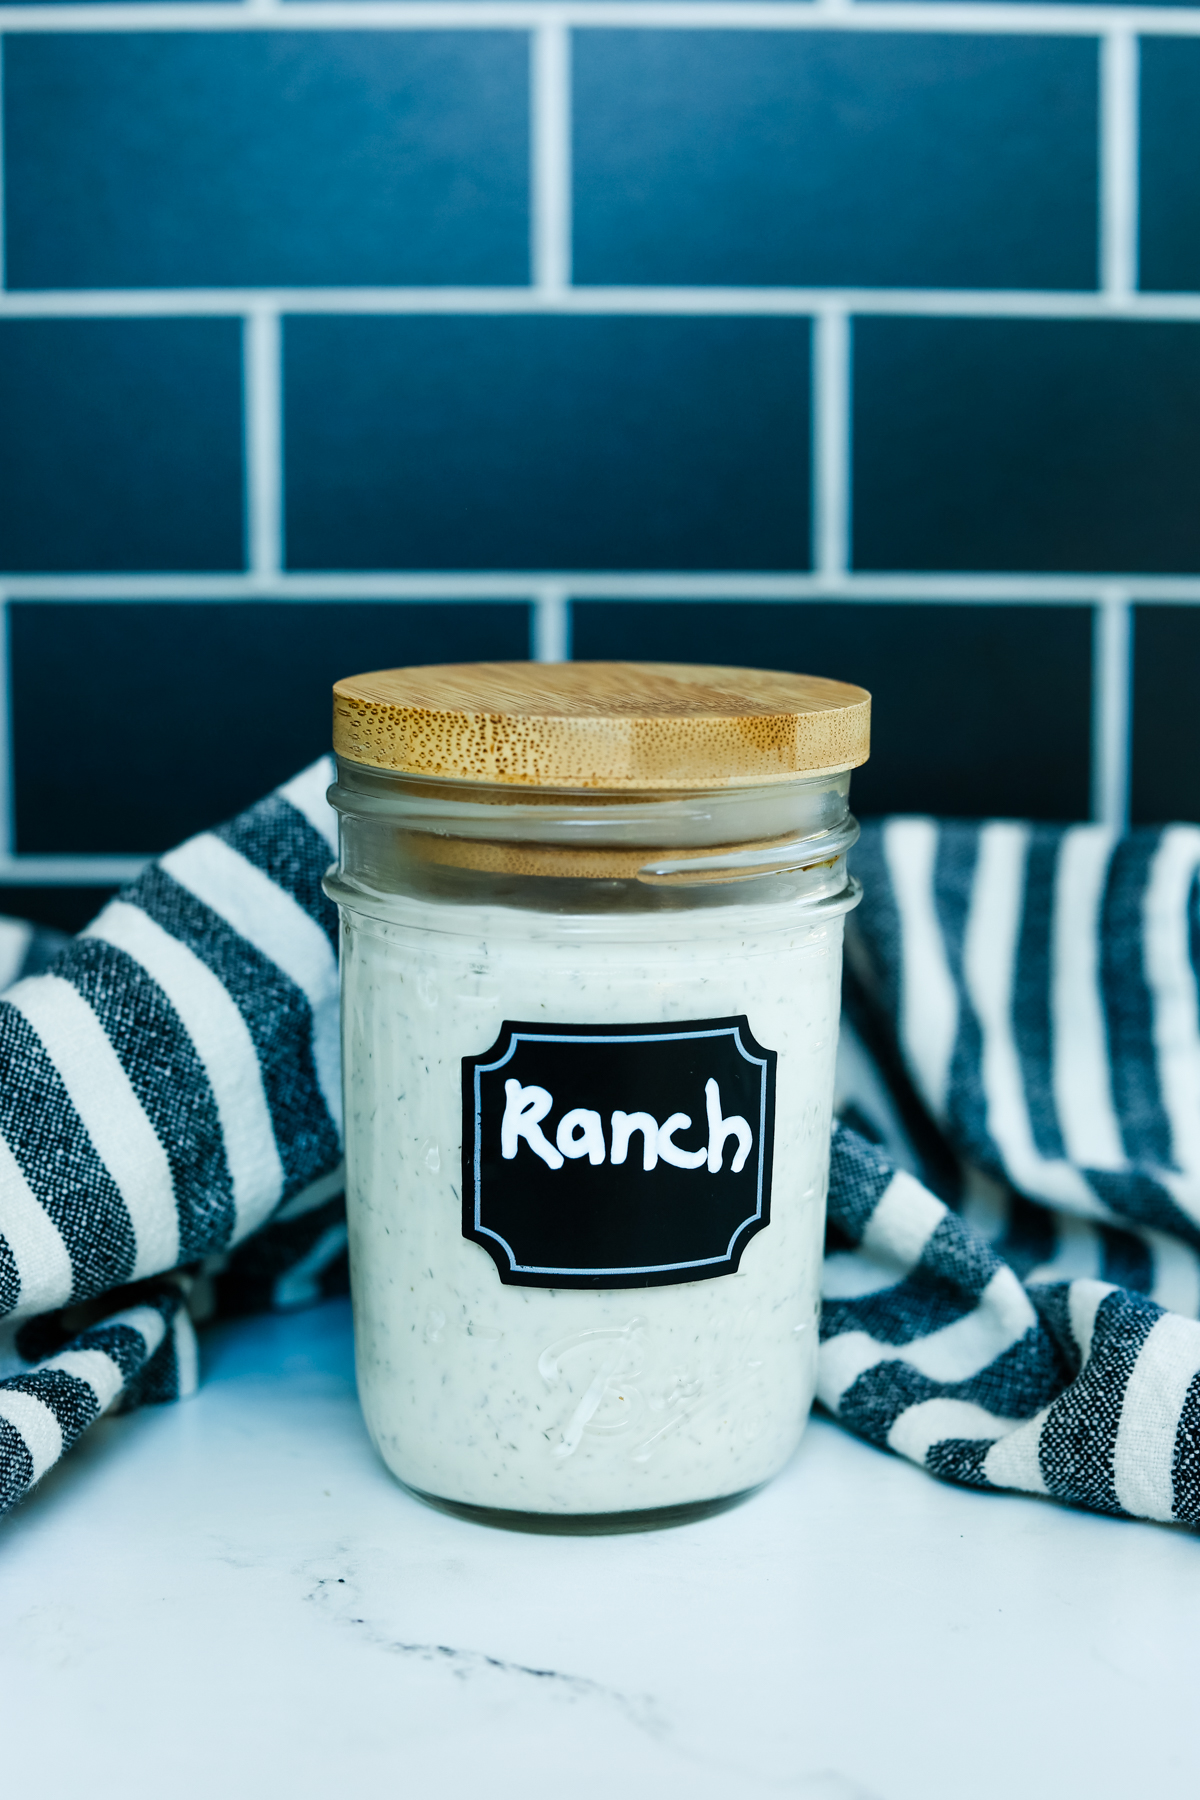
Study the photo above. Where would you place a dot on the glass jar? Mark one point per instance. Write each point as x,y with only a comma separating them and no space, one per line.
591,936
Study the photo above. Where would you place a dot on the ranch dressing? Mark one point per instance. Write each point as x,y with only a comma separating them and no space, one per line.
587,1121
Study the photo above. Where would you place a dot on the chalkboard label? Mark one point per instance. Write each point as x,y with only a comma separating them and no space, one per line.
615,1156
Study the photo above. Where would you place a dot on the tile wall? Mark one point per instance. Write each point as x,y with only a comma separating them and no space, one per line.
860,336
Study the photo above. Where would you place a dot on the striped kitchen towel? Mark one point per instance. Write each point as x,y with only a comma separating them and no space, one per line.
1012,1279
168,1085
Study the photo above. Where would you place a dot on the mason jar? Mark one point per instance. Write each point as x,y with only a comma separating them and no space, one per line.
591,933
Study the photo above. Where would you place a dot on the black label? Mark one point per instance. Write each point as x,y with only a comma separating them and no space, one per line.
612,1156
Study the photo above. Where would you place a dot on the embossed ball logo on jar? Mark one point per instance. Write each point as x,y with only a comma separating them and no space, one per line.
609,1156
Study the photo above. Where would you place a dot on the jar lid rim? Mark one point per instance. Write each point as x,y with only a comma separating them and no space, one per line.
613,725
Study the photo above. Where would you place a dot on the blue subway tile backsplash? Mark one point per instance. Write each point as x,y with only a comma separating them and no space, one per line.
121,445
1166,729
152,688
857,341
834,159
1010,737
1025,444
1170,163
547,443
200,159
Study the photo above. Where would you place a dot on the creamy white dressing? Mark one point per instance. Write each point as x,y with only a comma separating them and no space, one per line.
569,1401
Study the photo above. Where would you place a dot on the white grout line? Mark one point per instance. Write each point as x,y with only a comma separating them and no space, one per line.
263,397
831,365
228,590
684,15
1119,165
550,154
550,625
1112,677
1031,589
7,820
70,871
748,302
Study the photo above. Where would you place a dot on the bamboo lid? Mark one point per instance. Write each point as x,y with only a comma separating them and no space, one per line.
635,726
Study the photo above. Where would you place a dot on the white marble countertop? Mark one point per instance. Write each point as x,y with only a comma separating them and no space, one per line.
233,1597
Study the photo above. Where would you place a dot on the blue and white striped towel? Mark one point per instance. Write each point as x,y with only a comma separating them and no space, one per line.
1012,1278
168,1086
1013,1272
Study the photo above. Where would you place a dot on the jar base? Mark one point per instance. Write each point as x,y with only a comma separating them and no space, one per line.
649,1518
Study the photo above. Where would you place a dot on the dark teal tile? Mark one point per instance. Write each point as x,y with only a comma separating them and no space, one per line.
976,711
1166,718
199,159
121,445
1169,164
998,444
66,909
834,159
546,443
151,690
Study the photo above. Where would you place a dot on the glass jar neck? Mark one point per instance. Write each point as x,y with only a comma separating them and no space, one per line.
401,832
485,810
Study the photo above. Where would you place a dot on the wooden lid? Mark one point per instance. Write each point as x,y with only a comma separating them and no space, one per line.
612,726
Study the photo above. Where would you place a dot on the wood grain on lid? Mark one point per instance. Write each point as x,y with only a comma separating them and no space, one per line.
641,726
